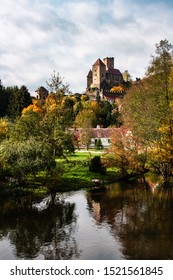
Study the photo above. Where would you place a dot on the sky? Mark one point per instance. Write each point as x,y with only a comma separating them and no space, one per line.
39,37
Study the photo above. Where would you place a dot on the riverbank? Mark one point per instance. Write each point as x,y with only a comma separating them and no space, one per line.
72,174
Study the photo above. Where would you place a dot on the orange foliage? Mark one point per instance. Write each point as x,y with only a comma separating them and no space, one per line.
118,89
52,102
35,107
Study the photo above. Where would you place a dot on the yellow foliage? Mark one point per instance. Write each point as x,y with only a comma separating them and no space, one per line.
52,102
118,89
95,106
35,107
4,126
163,149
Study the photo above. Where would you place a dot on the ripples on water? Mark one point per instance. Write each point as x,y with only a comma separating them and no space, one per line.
121,222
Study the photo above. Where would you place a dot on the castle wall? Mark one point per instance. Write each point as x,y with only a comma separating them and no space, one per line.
103,74
109,62
99,75
89,79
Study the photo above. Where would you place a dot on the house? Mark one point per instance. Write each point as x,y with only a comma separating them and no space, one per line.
93,134
42,93
104,134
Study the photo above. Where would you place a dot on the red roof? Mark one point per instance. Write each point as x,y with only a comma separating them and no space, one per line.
95,132
99,62
101,132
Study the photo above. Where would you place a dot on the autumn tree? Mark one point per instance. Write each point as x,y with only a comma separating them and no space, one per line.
36,107
148,109
4,128
128,154
118,89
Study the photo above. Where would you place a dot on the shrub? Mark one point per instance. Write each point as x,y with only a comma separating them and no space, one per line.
98,144
96,165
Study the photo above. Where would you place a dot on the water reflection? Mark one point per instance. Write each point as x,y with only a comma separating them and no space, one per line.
125,221
33,232
142,221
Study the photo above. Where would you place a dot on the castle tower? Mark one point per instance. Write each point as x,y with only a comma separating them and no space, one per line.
109,62
98,73
89,79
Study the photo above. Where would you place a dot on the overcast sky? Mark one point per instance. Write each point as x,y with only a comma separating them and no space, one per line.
42,36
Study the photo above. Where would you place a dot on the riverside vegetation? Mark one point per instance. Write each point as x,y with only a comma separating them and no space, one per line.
37,151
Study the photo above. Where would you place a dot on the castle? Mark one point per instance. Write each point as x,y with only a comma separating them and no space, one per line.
103,74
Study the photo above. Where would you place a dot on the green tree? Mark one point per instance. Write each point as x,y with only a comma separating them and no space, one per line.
27,125
96,165
148,108
98,144
85,118
3,101
26,157
107,114
17,100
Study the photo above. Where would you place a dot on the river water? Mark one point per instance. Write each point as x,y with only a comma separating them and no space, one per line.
122,221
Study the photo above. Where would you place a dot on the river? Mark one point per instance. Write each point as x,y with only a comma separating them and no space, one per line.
122,221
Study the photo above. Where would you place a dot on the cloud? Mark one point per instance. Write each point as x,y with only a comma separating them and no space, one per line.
38,37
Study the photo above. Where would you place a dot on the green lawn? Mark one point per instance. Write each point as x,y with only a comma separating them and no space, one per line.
75,175
84,155
76,172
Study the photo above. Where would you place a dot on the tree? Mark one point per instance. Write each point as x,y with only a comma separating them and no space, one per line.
26,157
118,89
56,85
96,165
15,100
107,114
4,128
98,144
85,118
3,101
128,152
86,133
148,108
29,124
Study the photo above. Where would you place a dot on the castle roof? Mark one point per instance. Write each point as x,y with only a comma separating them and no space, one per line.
89,74
99,62
113,71
41,89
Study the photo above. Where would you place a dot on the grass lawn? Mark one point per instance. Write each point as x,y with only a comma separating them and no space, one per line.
84,155
76,171
75,175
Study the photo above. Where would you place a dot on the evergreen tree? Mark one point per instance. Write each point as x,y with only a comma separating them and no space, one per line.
3,101
98,144
13,100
